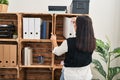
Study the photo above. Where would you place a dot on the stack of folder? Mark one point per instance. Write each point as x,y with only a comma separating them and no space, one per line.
36,28
6,31
8,55
31,28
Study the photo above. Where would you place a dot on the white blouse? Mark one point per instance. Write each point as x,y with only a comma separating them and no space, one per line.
59,50
70,73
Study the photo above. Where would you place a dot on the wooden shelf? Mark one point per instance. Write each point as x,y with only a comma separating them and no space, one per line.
9,40
8,20
36,66
69,14
36,14
35,40
16,67
57,67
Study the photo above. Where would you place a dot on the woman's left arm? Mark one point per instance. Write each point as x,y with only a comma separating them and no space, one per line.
58,50
53,40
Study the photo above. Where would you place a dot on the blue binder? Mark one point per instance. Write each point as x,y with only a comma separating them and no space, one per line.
43,29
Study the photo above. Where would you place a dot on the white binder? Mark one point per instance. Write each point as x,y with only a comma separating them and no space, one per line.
68,28
27,56
25,28
37,26
30,59
31,28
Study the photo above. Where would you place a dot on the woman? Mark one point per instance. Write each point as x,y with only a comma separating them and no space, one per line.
78,50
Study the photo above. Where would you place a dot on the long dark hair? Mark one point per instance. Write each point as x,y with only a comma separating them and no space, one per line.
85,34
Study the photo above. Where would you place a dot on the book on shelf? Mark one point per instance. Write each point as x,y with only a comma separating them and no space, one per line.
46,28
43,29
25,28
49,29
37,26
31,27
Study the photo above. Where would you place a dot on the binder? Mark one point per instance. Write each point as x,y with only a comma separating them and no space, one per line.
31,28
68,28
1,55
25,55
6,55
29,61
48,29
37,26
13,55
43,30
25,28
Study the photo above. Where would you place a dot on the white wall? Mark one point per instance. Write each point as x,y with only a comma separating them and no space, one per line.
104,13
35,6
106,21
106,17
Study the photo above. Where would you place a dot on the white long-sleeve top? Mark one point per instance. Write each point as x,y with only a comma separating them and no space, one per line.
70,73
62,49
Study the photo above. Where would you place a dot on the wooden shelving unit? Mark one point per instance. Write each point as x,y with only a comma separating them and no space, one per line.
40,47
50,69
7,70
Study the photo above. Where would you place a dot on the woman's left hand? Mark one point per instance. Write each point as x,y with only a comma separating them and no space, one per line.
53,40
53,37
